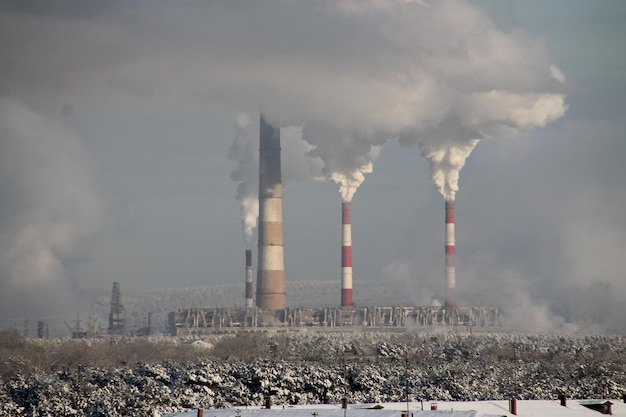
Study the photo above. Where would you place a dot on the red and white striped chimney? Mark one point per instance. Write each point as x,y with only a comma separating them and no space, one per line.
450,249
249,300
346,256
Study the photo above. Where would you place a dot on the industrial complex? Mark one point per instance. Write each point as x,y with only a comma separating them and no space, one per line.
270,312
201,321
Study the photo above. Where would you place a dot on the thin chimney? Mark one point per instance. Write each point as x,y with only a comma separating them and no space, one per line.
450,253
249,300
346,256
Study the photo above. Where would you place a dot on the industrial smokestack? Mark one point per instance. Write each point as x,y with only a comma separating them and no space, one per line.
270,272
346,256
117,321
249,301
450,249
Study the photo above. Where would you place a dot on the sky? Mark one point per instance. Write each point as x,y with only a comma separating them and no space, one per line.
128,148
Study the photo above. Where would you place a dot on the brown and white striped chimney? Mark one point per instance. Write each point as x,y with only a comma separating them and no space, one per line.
270,291
450,252
249,300
346,256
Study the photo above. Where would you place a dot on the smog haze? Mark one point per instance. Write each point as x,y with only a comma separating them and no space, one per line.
129,133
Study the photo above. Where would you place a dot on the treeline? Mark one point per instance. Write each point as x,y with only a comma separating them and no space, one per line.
141,376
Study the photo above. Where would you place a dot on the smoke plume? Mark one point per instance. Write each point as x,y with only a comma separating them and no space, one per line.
439,75
346,156
245,150
49,205
500,112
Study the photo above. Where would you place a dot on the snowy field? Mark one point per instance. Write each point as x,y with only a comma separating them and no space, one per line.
323,368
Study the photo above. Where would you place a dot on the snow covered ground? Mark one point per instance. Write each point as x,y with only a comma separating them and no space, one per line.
457,370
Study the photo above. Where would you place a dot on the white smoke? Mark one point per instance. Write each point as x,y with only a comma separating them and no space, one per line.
498,85
481,115
349,183
245,150
446,163
488,283
49,205
347,156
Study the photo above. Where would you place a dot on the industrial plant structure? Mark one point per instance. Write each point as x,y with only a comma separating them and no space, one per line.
271,312
200,321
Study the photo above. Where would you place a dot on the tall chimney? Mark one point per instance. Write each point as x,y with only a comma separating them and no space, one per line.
249,301
270,271
117,323
450,249
346,256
